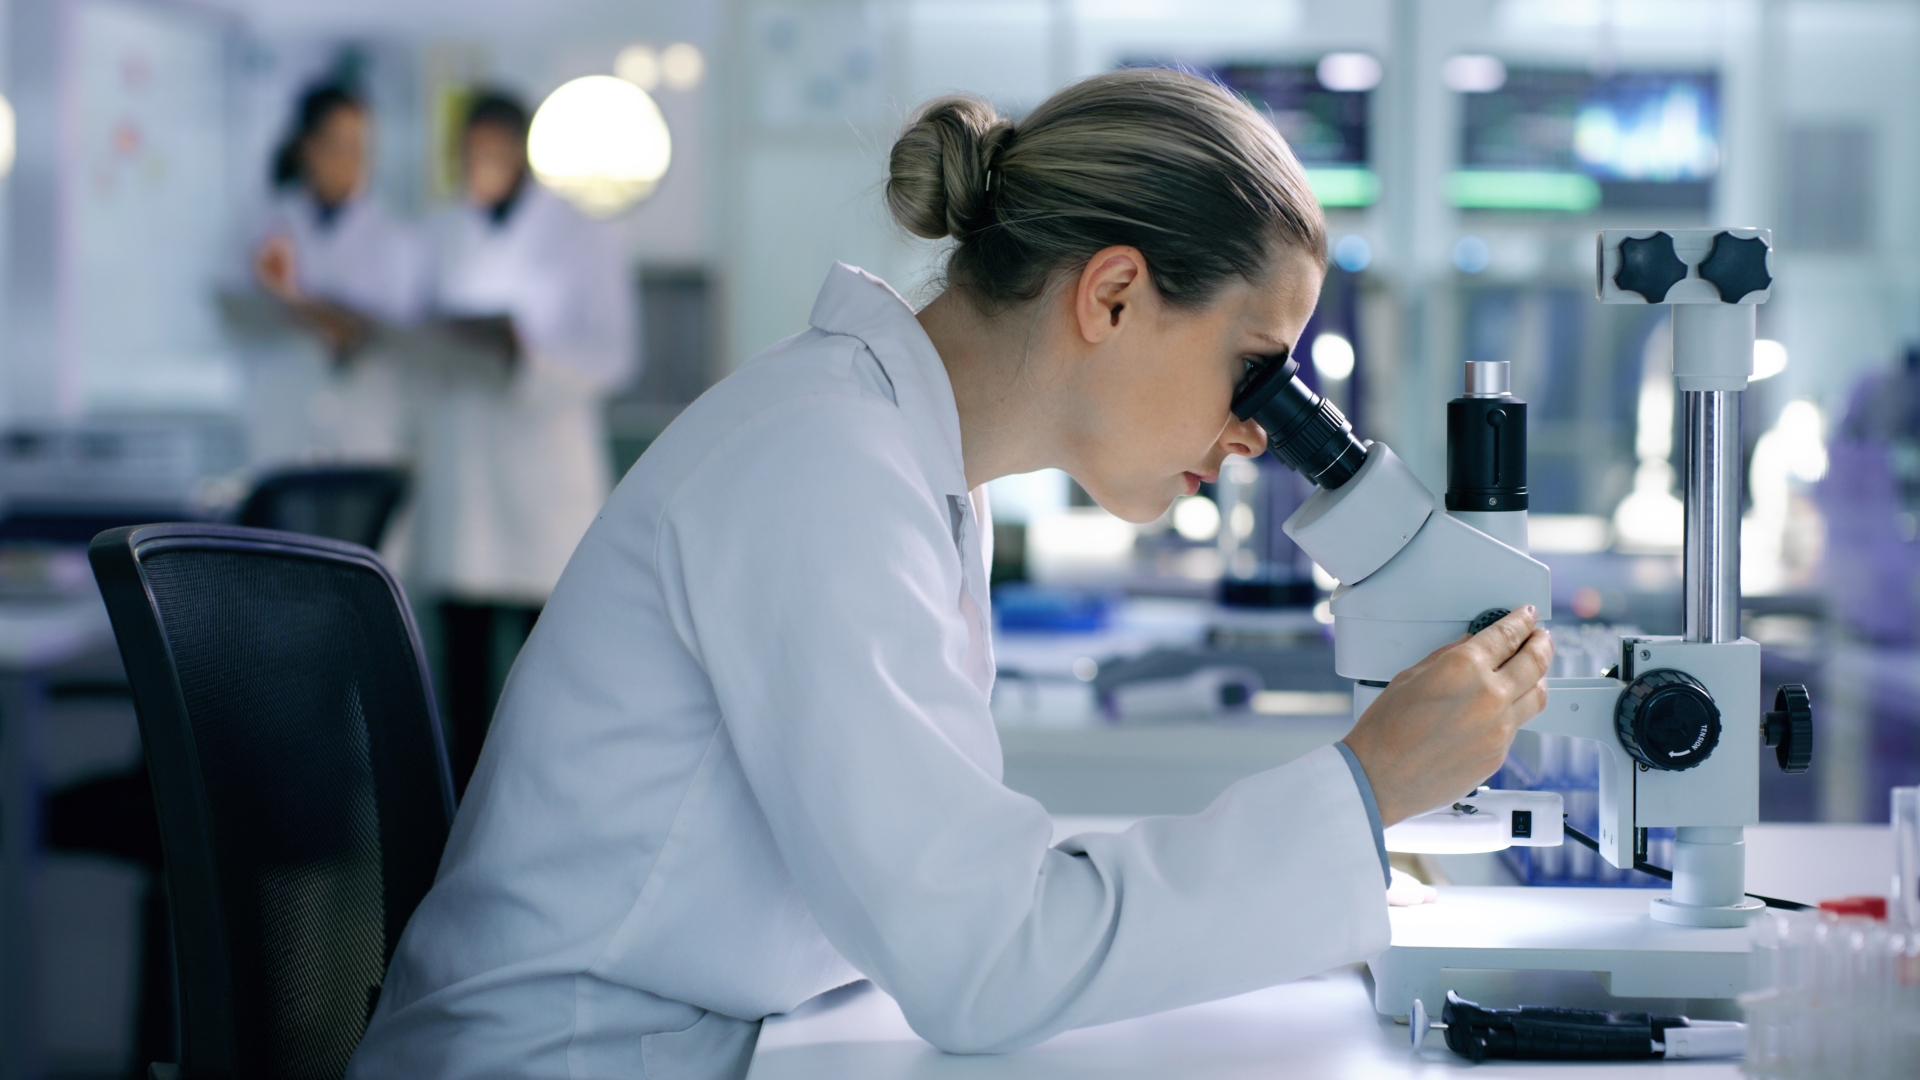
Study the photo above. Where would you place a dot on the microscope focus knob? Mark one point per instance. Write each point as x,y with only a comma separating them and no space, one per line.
1667,720
1789,728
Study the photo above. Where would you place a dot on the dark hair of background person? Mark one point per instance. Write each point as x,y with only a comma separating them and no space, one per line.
1163,161
316,105
498,108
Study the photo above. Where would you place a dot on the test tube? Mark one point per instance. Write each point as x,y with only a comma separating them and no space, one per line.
1906,858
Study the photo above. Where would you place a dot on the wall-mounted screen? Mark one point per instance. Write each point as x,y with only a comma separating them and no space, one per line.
1574,141
1326,128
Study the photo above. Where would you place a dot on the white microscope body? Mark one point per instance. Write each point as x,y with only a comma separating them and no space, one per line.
1680,727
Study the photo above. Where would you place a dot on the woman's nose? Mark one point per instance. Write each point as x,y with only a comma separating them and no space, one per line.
1244,437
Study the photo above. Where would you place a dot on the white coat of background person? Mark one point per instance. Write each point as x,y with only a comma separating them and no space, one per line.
333,252
511,473
747,755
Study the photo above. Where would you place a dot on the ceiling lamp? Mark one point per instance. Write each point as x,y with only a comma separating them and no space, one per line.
601,143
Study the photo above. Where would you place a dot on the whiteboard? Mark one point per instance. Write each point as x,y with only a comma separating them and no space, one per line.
148,207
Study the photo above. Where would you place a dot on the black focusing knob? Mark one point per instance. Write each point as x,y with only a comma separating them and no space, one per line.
1649,267
1487,618
1789,728
1736,267
1667,720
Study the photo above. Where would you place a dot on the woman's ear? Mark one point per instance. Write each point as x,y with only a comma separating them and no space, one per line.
1111,286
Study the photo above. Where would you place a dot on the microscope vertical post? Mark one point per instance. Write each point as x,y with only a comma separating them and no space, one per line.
1711,567
1712,343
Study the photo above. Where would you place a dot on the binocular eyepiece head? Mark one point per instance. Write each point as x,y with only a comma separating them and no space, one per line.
1304,430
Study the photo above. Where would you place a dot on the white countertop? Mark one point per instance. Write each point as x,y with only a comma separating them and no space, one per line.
1323,1026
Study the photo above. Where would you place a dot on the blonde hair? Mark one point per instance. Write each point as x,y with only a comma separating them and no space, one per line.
1163,161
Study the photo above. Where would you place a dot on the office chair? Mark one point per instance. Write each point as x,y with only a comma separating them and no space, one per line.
300,777
351,503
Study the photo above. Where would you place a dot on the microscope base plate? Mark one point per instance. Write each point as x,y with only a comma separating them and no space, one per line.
1668,910
1593,948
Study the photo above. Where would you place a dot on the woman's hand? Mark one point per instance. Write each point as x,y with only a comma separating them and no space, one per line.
1443,725
273,265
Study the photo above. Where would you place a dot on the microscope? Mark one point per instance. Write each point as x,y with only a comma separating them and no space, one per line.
1678,721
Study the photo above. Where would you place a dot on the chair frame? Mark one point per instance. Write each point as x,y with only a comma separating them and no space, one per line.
208,1039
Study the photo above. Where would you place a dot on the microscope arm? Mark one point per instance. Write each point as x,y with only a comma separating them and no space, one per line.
1584,709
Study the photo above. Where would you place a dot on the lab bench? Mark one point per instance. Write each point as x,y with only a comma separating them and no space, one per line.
1324,1025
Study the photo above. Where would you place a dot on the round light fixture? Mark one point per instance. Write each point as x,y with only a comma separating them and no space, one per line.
1333,356
1353,253
1473,74
601,143
682,66
1769,359
639,65
1196,518
1348,71
1471,254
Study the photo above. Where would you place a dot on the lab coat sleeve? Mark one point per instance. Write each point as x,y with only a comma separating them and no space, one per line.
821,594
587,329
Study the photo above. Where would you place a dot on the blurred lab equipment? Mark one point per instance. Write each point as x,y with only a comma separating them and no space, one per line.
1675,722
333,255
1260,565
1203,692
1832,995
60,483
510,475
1906,856
299,773
1021,608
1870,497
1870,501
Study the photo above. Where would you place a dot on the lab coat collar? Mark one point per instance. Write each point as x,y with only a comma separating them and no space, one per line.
859,305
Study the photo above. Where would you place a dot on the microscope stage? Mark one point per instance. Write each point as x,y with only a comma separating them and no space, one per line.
1592,948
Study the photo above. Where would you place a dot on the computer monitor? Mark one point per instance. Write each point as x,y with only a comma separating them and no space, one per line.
1327,129
1574,141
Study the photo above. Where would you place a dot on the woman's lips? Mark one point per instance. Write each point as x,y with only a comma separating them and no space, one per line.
1194,480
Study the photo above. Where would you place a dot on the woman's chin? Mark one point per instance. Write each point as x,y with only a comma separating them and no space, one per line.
1139,510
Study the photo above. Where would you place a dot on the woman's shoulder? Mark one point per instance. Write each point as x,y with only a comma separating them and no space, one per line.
812,372
807,405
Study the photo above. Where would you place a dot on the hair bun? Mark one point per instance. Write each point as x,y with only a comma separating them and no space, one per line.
937,173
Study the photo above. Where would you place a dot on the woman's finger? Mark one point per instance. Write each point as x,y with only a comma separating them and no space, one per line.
1528,664
1498,642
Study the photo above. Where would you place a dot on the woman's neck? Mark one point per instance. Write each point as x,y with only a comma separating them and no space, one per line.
996,367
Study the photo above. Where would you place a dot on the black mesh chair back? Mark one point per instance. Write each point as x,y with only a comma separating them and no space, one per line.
300,777
347,503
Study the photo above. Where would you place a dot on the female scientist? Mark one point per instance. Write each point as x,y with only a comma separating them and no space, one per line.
334,254
747,755
513,471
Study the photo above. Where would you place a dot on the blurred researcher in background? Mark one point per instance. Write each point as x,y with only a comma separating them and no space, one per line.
342,264
512,470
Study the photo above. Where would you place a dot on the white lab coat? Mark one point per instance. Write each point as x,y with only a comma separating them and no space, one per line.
747,757
301,406
510,477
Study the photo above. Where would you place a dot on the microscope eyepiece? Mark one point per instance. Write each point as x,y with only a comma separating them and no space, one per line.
1304,430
